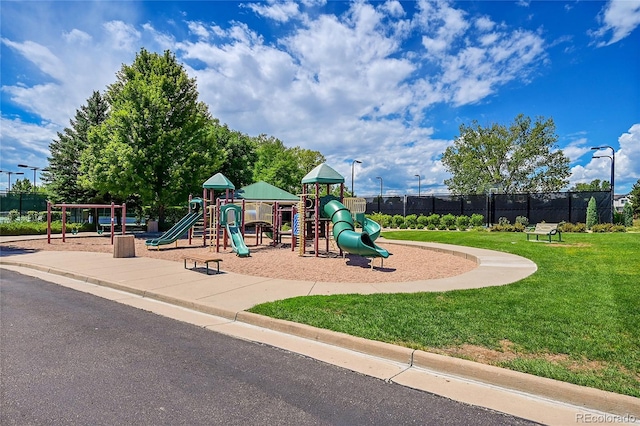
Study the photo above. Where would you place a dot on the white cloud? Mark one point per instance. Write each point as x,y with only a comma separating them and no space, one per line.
628,156
341,84
484,23
618,18
475,59
627,161
278,11
40,56
393,8
198,29
76,36
123,36
25,142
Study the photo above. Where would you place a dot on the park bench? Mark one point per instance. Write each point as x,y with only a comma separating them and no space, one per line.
546,229
132,223
195,258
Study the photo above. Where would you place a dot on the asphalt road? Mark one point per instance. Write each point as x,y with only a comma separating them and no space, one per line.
72,358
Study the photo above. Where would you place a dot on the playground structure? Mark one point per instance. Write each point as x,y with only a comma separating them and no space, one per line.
312,217
223,222
221,227
318,212
112,207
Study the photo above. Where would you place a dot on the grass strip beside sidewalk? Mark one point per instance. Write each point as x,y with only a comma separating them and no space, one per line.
577,319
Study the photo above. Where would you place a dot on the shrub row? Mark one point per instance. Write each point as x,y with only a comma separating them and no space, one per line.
476,221
431,222
39,228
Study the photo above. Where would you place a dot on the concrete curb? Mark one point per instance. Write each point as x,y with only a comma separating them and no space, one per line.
581,396
569,393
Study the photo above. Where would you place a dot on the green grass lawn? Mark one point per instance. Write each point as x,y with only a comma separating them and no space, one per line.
577,319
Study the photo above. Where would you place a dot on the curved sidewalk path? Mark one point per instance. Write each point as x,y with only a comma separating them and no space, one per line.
228,295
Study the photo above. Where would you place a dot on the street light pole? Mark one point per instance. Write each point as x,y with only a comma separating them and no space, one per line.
418,185
612,157
379,198
353,191
10,173
34,174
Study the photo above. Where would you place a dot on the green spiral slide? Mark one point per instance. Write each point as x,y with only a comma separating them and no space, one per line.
345,235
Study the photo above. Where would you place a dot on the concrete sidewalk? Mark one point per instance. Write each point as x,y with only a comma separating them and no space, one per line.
226,296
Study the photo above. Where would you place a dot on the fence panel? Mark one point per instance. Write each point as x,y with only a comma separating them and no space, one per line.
419,205
550,207
22,201
510,206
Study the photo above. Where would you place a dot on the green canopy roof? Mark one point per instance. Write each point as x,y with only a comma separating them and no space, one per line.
219,182
263,191
323,174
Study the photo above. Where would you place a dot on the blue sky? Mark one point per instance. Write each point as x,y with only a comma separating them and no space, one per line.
384,82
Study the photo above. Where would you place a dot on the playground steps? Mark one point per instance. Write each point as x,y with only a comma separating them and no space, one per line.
198,229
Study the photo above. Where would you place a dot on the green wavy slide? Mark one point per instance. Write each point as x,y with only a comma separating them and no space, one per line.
344,232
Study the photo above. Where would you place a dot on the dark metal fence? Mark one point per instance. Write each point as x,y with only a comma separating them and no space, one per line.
23,202
550,207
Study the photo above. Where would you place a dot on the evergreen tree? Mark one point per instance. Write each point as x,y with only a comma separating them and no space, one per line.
64,164
627,214
592,213
634,196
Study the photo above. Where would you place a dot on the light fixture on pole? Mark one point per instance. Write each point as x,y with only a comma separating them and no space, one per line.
10,173
380,198
34,173
612,157
353,191
418,184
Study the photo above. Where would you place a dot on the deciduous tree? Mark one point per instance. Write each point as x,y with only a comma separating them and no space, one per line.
594,185
239,153
281,166
156,141
22,185
520,158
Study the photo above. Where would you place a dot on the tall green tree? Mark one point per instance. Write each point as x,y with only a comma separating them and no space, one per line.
520,158
239,154
627,214
634,196
61,178
592,213
594,185
156,141
282,166
22,185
